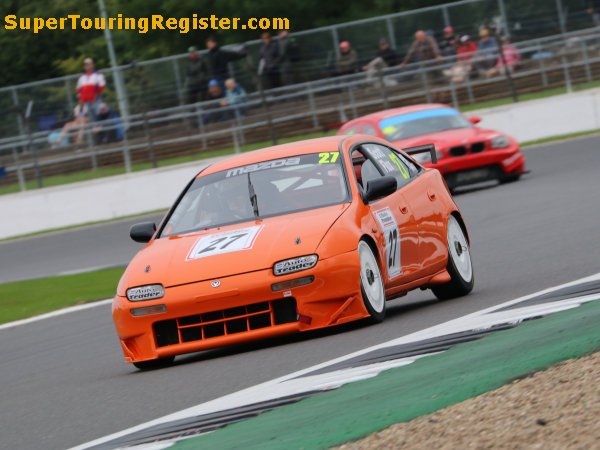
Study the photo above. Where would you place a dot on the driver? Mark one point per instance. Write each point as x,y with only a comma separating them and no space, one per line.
235,199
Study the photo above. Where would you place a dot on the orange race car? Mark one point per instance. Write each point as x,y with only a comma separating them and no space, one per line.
290,238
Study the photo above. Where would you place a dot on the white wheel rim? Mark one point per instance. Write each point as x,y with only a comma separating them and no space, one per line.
458,250
371,277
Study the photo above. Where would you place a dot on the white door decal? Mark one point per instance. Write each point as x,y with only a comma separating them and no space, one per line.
227,242
391,233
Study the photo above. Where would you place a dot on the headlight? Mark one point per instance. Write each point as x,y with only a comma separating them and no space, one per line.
424,158
295,264
499,142
149,292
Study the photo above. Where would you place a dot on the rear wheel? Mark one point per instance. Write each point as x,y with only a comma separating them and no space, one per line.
154,363
459,265
371,283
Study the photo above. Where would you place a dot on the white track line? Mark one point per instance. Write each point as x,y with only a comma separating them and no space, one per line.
246,396
60,312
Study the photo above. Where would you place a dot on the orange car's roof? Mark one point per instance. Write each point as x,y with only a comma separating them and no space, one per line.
326,144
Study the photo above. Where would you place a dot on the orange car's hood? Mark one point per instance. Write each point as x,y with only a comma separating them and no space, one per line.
170,261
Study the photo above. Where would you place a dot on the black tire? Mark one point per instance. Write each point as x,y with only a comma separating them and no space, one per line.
154,363
373,296
460,283
510,179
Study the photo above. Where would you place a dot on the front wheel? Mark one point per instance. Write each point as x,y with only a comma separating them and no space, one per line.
459,264
371,283
154,363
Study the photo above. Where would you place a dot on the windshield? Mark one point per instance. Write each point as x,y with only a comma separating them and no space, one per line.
260,190
422,122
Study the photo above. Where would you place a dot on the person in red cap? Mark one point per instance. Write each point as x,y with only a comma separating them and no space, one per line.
89,88
448,42
347,61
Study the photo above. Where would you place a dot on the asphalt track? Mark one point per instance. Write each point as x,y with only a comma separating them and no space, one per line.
63,382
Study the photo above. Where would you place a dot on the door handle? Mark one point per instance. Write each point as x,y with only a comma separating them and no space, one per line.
403,209
431,195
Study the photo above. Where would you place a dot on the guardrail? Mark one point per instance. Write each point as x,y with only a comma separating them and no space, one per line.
560,61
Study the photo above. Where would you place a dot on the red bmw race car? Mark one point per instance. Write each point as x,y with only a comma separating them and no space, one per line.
291,238
466,153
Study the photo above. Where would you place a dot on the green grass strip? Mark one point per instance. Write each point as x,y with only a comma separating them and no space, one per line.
22,299
399,395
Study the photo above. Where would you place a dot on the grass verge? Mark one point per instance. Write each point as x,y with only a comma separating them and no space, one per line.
27,298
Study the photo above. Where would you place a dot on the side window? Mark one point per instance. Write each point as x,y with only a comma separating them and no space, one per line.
352,130
370,130
413,169
390,162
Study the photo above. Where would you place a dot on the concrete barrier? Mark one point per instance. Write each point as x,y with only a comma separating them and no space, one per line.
140,192
547,117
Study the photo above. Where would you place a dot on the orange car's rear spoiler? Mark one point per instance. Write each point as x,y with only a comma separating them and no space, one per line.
429,148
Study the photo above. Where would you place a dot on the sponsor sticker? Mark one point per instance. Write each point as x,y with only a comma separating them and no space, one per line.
227,242
391,234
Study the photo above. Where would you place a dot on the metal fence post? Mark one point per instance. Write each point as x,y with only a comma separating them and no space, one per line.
149,140
15,97
352,101
20,174
423,73
561,16
200,119
453,94
391,33
567,73
90,144
502,9
177,74
311,104
586,61
336,41
384,96
69,93
542,66
446,16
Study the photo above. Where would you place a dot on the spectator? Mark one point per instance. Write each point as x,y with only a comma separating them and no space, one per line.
235,95
593,9
465,49
487,51
218,59
90,87
386,57
196,75
465,52
269,62
423,49
108,126
215,113
448,42
76,125
511,56
347,62
289,56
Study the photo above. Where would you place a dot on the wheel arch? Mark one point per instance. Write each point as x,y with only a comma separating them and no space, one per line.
371,242
462,224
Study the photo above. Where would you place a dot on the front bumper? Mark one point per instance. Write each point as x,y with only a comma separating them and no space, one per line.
242,308
501,162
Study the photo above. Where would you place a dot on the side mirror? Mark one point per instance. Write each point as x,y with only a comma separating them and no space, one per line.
380,187
142,232
474,120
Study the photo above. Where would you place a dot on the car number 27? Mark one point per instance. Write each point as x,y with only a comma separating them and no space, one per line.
227,242
392,241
